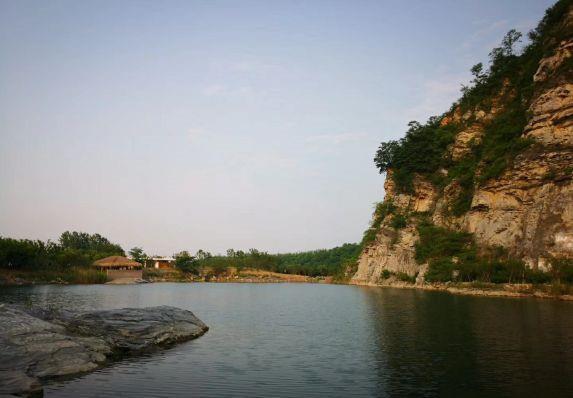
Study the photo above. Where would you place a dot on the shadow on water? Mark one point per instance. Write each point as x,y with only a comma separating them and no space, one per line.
438,344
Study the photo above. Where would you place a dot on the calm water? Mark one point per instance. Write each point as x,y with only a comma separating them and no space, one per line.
293,340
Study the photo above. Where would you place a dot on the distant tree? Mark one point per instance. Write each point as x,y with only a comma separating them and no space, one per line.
385,155
95,243
509,40
499,55
186,262
73,249
478,73
218,265
230,253
138,255
202,255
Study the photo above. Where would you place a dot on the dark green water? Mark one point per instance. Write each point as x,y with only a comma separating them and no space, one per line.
293,340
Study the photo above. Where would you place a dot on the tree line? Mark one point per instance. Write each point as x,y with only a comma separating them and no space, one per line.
324,262
70,250
81,249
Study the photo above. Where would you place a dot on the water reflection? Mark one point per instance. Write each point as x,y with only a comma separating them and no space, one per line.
436,344
337,341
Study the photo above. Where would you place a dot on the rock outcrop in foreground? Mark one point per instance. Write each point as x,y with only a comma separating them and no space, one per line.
38,345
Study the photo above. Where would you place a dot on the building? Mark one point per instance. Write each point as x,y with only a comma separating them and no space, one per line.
119,267
162,262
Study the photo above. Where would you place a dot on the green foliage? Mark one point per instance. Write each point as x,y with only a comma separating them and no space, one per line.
384,158
95,244
437,242
138,255
439,246
318,262
73,257
24,253
440,270
549,25
537,277
345,271
420,151
399,221
502,140
73,249
404,277
562,269
501,143
509,82
186,262
202,255
500,271
217,265
382,210
386,274
452,256
326,262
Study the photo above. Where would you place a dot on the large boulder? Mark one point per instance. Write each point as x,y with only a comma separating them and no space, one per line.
38,344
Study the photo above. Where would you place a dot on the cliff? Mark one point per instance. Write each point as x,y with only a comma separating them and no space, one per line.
500,177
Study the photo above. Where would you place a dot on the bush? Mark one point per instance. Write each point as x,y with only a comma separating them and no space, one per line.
381,210
399,221
437,243
449,252
187,263
319,262
537,277
420,151
404,277
440,270
73,249
562,269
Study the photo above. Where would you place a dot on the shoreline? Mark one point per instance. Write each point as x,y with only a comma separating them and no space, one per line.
155,276
258,276
514,290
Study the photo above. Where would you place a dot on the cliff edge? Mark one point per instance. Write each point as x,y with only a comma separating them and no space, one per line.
487,186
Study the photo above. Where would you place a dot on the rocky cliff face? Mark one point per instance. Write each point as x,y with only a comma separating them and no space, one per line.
528,209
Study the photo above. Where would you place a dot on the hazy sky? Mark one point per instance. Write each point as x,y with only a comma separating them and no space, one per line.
215,124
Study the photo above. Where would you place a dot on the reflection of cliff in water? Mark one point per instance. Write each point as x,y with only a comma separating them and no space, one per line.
431,343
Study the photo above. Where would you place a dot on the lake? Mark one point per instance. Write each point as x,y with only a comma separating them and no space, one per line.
293,340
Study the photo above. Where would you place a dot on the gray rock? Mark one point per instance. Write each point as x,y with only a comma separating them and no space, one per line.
39,344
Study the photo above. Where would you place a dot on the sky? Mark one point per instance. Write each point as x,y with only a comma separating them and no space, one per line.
180,125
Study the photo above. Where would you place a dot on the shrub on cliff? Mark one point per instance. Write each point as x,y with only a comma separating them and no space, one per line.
381,210
437,243
508,84
440,270
420,151
562,269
